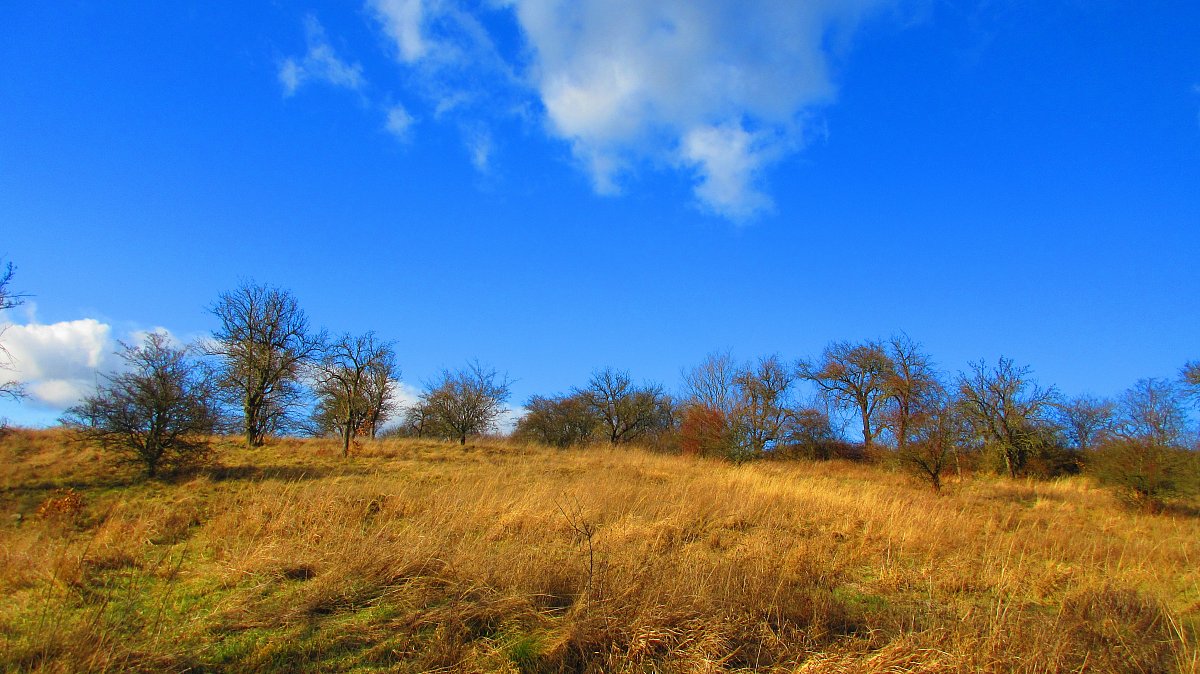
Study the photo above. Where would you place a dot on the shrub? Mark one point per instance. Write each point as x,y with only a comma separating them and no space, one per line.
561,421
66,504
157,414
1145,473
704,431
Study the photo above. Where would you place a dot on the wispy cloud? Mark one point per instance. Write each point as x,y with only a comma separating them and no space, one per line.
507,423
453,65
399,122
448,50
318,64
479,146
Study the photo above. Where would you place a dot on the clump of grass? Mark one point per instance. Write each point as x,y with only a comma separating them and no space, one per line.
64,504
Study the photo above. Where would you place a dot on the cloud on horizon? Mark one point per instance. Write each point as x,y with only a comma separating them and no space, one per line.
58,362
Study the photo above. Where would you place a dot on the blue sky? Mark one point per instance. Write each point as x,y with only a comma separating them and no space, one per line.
553,187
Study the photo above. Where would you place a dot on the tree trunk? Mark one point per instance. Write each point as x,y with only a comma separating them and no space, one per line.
462,439
250,408
1009,462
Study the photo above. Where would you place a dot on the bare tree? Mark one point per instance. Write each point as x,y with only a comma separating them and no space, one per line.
9,388
1146,473
626,412
418,421
264,341
1189,378
712,382
355,380
1006,408
158,414
467,401
707,414
912,386
1086,420
763,408
381,394
855,376
938,429
1152,410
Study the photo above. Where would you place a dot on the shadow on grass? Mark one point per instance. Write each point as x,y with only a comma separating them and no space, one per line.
281,473
217,473
79,484
1176,509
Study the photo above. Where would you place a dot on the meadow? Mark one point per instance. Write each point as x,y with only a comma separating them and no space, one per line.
496,556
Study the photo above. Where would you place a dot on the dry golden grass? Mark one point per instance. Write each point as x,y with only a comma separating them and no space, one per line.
421,556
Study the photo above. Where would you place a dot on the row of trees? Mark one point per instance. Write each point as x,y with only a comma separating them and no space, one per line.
895,396
265,371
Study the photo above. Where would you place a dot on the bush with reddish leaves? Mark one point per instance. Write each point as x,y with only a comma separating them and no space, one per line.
704,431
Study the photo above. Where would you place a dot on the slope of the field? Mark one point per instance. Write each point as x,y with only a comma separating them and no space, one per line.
416,556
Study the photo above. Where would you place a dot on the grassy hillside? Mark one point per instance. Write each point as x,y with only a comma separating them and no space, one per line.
421,556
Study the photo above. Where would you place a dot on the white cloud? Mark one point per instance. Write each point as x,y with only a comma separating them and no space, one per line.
479,145
727,160
319,64
406,395
291,74
59,393
399,122
507,423
58,362
402,20
718,88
